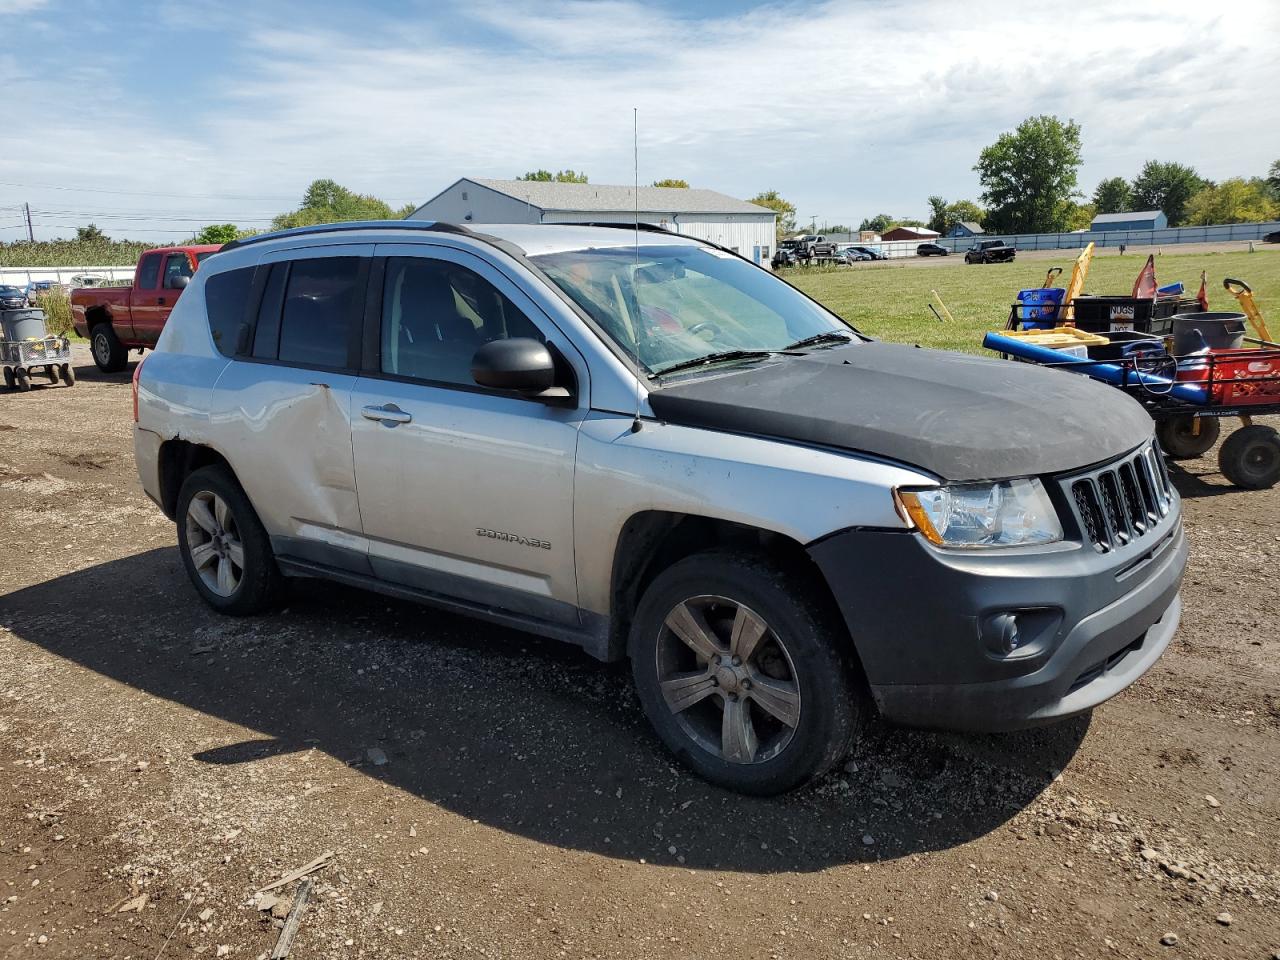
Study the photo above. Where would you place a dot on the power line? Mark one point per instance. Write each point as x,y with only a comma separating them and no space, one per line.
135,193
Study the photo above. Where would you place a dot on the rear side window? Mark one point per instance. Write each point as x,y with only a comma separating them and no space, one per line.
148,271
322,307
226,297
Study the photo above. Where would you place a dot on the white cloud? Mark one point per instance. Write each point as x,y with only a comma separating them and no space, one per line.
848,108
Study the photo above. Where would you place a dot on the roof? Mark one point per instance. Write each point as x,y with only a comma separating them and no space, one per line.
602,198
1125,217
923,233
971,226
532,238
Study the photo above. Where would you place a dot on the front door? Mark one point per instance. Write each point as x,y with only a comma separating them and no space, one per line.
463,491
143,297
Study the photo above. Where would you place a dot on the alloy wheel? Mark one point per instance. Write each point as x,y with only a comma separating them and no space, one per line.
213,543
728,679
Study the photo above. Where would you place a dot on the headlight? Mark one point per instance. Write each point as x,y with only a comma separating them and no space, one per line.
1012,513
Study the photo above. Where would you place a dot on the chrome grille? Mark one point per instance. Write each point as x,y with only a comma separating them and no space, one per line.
1122,501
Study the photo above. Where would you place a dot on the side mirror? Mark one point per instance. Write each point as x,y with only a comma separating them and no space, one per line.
518,363
179,282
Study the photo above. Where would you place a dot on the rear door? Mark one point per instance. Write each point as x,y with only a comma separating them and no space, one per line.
464,491
281,409
143,300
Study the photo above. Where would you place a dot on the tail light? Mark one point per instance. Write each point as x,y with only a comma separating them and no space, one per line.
136,372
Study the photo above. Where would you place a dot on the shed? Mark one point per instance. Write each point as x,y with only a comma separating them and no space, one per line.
966,228
1133,220
745,227
910,233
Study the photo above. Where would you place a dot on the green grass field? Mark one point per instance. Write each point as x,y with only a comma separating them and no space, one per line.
890,300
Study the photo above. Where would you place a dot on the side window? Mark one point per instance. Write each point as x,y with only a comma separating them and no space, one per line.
226,298
176,265
148,271
436,314
266,332
322,304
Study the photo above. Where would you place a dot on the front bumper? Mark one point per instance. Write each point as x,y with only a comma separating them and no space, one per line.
922,620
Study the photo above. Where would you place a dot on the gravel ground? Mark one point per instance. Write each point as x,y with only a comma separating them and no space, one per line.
489,794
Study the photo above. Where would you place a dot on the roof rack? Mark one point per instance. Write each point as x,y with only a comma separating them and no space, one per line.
434,226
654,228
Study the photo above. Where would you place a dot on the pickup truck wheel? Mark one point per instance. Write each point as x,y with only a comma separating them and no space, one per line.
109,353
1179,439
225,549
742,674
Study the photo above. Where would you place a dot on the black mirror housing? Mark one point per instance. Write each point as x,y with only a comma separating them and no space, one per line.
517,363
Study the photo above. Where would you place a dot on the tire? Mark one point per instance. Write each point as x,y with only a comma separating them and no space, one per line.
68,375
1179,441
23,379
229,528
10,380
51,371
1250,457
801,659
109,353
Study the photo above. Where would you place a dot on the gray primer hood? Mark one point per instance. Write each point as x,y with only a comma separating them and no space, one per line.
958,416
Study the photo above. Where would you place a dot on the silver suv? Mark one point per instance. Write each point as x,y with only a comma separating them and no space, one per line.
643,444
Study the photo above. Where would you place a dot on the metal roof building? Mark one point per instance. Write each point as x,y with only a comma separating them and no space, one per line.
1133,220
705,214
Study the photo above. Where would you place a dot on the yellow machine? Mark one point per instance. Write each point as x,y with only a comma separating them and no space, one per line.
1244,295
1078,274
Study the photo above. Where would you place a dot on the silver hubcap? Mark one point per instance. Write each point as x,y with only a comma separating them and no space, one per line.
728,679
101,348
213,542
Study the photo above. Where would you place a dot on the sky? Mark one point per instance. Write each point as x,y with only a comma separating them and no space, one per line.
153,119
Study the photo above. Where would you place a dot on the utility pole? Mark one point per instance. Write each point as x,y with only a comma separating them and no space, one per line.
31,234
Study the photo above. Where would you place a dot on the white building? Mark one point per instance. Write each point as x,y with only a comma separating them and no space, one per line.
705,214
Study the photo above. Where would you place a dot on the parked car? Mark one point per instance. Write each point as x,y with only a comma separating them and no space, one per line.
1272,237
931,250
90,280
116,319
854,255
12,298
38,288
990,251
785,255
662,453
871,254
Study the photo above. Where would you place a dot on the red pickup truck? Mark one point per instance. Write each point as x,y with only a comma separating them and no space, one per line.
116,319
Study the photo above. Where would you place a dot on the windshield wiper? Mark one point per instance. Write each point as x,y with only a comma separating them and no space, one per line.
713,358
827,336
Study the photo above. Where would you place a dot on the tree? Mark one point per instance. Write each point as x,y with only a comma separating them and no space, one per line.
328,202
1167,187
681,184
944,216
91,234
1079,216
1233,201
560,176
786,222
217,233
1112,195
907,222
1273,179
880,223
937,214
1026,175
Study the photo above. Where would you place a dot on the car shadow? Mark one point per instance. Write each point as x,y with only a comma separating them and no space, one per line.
523,734
1191,484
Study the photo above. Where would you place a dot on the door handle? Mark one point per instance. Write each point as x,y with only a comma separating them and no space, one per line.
160,301
389,414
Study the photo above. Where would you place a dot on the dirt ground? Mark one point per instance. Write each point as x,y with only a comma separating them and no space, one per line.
488,794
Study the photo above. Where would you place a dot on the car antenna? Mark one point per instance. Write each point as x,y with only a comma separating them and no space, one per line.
635,166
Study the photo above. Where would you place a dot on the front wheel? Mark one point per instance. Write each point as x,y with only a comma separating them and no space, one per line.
109,353
744,674
68,375
1185,437
1250,457
23,379
224,547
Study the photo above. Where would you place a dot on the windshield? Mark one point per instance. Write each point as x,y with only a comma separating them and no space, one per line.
9,291
667,305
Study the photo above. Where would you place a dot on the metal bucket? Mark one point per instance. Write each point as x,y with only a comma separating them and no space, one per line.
1192,331
27,324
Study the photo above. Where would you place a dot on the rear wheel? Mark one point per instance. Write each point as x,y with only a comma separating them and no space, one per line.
68,375
1250,457
225,549
10,380
22,378
1180,440
109,353
743,674
51,371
